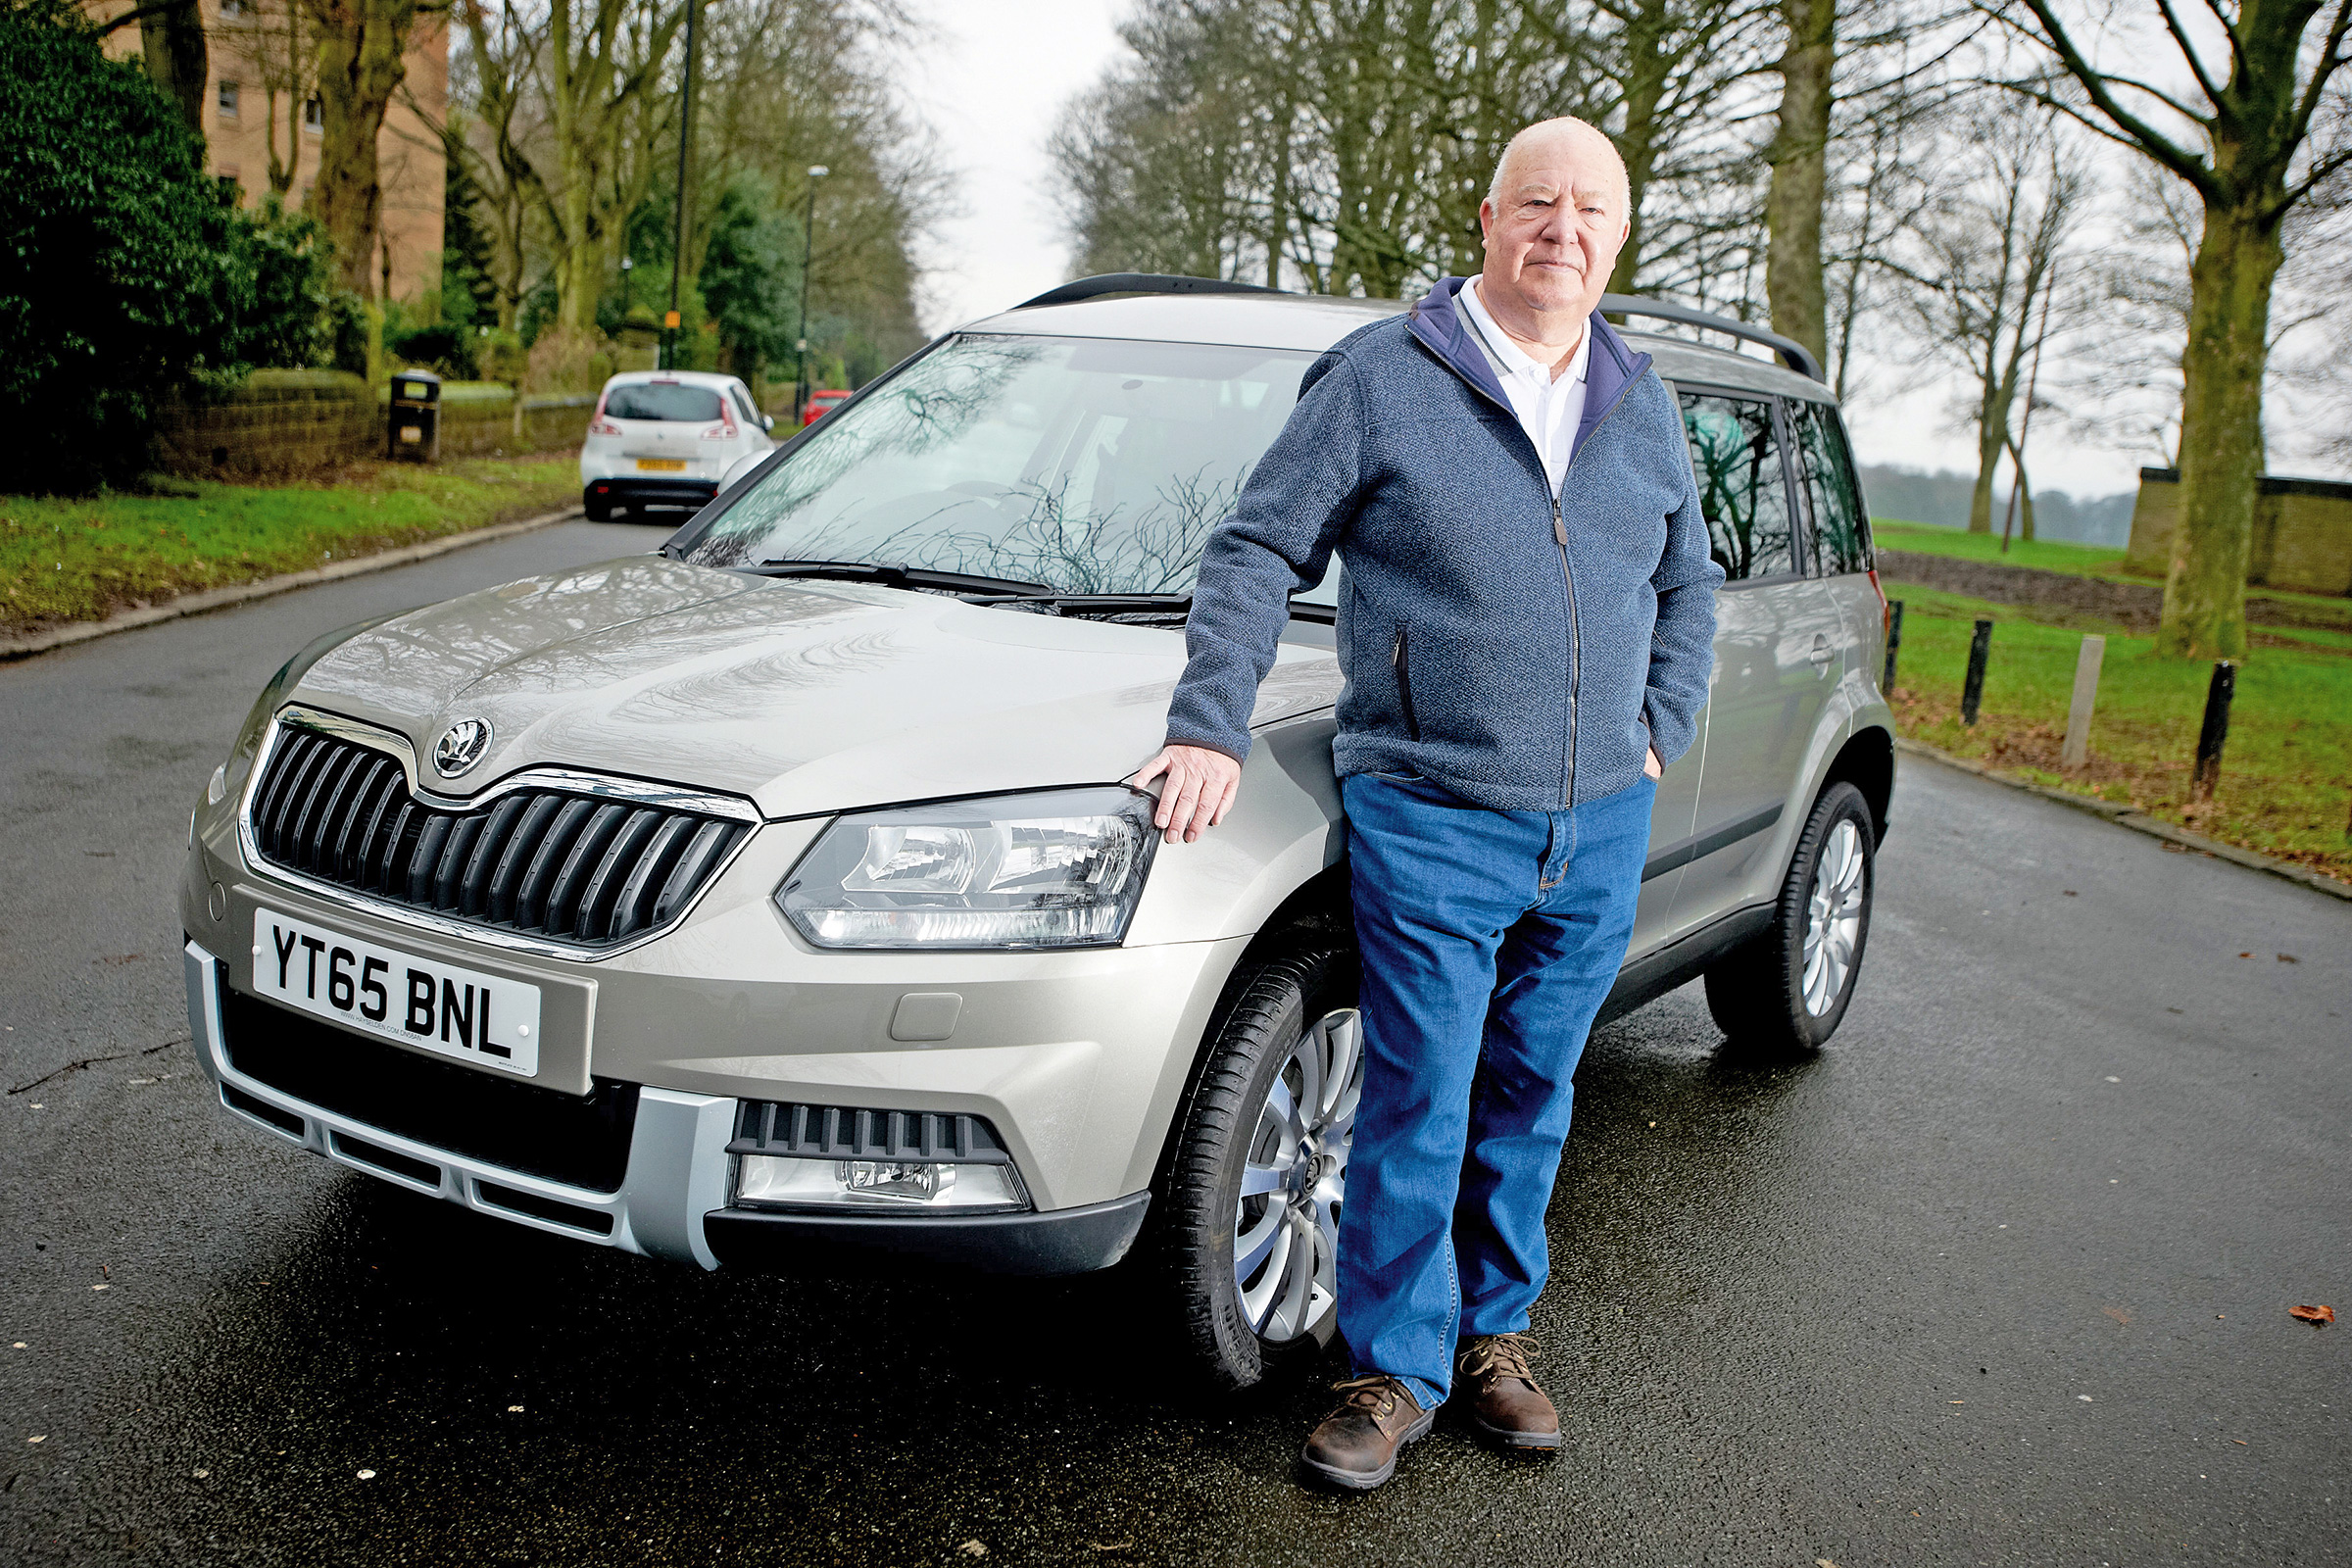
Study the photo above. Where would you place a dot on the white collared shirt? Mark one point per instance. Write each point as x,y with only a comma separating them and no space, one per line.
1550,410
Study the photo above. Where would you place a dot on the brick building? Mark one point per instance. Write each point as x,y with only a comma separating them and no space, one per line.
259,56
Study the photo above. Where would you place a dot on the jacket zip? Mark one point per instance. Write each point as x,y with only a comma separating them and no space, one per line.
1405,683
1559,534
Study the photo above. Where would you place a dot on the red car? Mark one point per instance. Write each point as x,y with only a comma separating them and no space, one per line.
822,403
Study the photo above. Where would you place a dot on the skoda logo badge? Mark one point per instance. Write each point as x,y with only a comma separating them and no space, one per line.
461,745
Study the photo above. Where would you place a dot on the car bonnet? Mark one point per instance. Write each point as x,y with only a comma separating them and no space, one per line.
805,696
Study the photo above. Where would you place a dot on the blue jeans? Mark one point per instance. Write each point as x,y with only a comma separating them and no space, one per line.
1489,940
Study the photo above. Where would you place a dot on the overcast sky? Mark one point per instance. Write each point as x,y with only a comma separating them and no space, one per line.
995,73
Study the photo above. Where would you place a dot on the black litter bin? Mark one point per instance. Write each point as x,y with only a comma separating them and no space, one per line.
415,430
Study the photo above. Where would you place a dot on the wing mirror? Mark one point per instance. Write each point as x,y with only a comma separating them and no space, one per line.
768,421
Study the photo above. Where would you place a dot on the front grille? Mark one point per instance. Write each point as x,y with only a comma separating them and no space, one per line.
579,1142
846,1132
545,862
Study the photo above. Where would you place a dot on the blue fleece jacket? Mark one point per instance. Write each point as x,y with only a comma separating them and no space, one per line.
1522,648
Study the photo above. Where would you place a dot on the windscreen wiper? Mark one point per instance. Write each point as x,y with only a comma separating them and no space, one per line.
897,576
1172,602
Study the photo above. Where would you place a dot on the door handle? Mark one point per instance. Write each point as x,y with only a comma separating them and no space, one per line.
1821,649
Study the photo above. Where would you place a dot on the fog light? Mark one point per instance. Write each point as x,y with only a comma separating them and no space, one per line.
772,1181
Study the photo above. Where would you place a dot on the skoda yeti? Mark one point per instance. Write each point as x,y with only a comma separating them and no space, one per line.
779,892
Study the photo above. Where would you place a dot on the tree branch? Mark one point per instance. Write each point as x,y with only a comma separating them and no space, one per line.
2189,52
2139,131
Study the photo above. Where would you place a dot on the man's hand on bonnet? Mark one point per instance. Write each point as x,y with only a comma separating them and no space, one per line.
1200,789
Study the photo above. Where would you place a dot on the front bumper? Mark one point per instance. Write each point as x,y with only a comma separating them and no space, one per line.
671,1199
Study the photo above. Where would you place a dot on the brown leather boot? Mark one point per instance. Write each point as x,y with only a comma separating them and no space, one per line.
1505,1402
1357,1445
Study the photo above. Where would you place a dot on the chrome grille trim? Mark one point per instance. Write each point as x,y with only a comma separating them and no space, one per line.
345,820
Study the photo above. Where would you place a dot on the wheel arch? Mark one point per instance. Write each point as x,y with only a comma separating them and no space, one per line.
1866,762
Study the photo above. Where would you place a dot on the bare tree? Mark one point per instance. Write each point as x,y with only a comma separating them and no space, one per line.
1989,271
2257,125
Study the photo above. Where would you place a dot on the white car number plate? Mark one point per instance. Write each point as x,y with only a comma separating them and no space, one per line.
485,1019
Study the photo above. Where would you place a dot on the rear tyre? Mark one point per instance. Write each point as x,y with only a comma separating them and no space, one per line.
1786,989
1248,1224
599,510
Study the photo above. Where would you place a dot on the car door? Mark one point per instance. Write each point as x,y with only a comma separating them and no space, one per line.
1777,653
1837,532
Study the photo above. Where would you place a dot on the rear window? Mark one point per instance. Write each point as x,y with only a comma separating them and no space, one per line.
1841,527
657,400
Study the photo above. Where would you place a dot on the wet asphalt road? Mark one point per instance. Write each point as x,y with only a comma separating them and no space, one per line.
2002,1277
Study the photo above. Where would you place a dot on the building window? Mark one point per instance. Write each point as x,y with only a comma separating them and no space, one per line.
228,100
313,117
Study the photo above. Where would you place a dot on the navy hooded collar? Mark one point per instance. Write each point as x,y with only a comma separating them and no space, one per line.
1438,321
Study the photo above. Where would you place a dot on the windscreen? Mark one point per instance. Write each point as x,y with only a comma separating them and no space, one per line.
655,400
1086,466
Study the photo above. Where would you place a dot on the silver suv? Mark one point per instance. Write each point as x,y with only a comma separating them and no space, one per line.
778,892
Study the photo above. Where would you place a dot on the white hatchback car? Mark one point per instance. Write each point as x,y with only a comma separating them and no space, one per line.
666,438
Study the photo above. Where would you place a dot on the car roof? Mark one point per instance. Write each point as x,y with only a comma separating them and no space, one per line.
1313,322
709,379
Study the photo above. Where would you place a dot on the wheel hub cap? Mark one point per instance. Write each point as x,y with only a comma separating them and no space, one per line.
1834,917
1294,1176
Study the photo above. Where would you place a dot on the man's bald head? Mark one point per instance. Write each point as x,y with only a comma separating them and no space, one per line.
1553,222
1567,131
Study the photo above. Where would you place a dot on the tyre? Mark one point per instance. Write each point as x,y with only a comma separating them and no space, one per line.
598,511
1786,989
1248,1225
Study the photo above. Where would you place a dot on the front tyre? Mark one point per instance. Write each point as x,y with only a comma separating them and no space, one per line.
1249,1225
1786,989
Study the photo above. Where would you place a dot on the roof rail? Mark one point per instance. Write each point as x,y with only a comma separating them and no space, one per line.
1088,288
1798,357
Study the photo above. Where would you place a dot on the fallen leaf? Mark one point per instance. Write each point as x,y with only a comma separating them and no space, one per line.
513,1410
366,1475
100,1287
2072,894
2245,955
2314,1315
43,1437
1823,1562
2084,1398
2241,1441
973,1549
1958,1401
2288,958
201,1475
2117,1314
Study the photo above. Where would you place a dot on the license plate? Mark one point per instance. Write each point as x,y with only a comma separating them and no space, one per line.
662,464
485,1019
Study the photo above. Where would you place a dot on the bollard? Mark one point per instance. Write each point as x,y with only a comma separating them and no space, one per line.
1972,694
2214,731
2077,752
1894,641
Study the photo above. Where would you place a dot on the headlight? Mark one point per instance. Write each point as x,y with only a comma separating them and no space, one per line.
1061,869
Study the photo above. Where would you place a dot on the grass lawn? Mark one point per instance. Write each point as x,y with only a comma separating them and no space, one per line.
2042,555
82,558
2286,772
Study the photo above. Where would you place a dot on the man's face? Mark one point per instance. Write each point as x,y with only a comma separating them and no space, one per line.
1552,241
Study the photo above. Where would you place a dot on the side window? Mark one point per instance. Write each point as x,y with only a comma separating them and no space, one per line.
1841,527
1743,492
743,400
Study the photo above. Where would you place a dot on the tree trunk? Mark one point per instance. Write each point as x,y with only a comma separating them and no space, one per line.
1793,288
1993,434
172,44
361,48
1646,68
2220,431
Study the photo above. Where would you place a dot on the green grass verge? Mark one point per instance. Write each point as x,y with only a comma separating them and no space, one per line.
83,557
2042,555
2287,773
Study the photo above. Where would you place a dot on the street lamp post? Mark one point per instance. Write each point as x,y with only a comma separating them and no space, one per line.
677,249
799,396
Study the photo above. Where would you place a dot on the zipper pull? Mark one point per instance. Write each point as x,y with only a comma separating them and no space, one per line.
1559,529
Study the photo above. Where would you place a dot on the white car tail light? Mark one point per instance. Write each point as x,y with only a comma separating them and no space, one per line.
724,431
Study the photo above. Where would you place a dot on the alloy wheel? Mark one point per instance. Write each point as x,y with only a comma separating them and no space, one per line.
1293,1177
1834,917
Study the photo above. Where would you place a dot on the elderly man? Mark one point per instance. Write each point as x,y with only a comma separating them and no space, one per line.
1526,637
